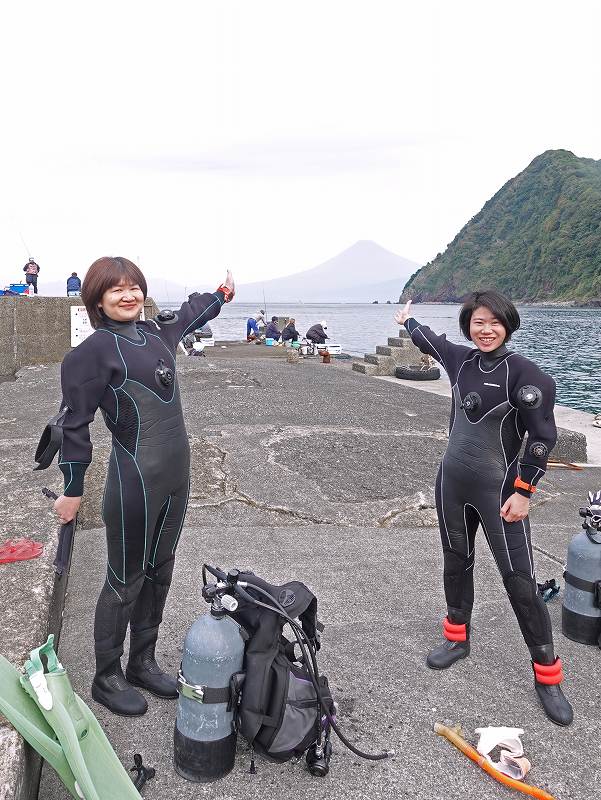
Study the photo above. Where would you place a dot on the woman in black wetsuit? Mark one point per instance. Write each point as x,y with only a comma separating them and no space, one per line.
498,398
127,369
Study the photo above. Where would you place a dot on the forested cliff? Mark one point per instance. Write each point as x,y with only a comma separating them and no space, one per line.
538,239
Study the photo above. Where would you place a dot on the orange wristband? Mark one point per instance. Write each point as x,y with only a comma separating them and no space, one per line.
227,293
520,484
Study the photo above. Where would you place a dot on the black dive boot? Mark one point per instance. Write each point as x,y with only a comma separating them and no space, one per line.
455,646
112,690
142,668
548,674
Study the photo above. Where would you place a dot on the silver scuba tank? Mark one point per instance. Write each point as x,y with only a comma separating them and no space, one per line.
581,610
205,736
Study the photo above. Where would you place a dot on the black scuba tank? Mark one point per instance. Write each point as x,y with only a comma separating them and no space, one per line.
581,611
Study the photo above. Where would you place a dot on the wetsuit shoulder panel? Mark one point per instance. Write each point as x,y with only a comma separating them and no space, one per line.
450,355
532,392
87,373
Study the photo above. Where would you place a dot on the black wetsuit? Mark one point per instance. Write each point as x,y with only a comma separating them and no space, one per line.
497,398
128,371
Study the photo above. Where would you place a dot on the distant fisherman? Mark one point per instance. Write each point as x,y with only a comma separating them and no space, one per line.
317,333
32,270
252,324
290,334
73,285
272,331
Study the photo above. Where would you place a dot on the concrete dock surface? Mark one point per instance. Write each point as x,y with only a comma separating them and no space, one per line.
312,472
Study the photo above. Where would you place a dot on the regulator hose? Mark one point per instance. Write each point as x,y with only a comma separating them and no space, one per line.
310,662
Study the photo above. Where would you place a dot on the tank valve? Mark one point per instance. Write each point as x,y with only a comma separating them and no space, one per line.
229,603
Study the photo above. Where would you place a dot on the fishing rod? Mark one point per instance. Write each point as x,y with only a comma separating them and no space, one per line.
24,244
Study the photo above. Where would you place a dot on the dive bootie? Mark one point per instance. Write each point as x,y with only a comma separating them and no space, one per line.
547,677
455,646
142,669
110,688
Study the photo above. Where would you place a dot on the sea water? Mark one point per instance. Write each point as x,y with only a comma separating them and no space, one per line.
565,342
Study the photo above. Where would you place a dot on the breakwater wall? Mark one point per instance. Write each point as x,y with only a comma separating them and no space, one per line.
37,330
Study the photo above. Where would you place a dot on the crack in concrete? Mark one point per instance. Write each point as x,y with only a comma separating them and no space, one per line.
232,494
560,561
236,496
297,431
417,503
219,471
239,497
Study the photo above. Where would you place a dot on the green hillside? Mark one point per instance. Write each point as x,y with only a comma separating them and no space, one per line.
538,239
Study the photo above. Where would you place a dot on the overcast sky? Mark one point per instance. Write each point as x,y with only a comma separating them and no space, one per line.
269,136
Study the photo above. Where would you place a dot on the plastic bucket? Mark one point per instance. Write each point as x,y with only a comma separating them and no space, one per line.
296,345
269,341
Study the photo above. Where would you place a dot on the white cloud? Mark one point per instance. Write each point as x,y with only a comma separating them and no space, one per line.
268,136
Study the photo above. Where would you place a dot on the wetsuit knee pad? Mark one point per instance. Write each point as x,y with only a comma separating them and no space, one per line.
521,588
455,564
458,583
127,592
529,607
161,574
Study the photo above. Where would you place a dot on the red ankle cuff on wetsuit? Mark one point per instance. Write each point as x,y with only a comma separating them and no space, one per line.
452,632
548,674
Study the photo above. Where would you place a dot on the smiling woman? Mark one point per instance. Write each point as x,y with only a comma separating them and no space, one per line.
127,369
113,287
499,398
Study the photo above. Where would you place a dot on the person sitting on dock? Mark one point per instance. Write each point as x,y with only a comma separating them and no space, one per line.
73,285
272,331
252,325
289,333
317,333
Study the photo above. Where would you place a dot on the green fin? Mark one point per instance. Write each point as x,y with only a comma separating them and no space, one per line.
95,772
24,715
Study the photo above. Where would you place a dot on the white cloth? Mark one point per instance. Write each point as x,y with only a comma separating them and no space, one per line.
511,761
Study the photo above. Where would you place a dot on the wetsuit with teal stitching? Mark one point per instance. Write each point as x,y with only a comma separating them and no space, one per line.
498,400
118,369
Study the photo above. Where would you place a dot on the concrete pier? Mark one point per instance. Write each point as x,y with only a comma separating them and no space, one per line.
313,472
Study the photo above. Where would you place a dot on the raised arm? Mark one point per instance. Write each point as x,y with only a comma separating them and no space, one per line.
450,355
195,312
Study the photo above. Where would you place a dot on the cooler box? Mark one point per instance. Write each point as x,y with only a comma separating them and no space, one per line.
333,349
269,341
19,288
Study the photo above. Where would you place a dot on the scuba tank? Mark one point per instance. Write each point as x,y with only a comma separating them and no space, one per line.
209,683
581,611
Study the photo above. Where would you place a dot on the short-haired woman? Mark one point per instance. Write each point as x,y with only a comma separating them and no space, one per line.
127,369
498,398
